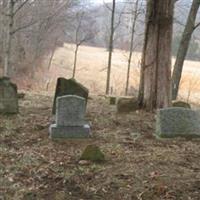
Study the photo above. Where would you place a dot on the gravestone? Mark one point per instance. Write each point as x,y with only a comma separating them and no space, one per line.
178,122
70,122
69,87
126,105
8,97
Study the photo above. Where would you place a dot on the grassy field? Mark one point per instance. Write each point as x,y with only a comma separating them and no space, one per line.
91,71
91,68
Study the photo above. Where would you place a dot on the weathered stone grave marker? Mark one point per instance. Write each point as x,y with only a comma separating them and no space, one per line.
178,122
126,105
70,122
69,87
8,97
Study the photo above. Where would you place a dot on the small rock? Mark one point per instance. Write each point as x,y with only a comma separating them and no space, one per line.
84,162
93,153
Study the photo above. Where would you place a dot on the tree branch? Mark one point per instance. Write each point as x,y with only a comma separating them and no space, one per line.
197,25
20,7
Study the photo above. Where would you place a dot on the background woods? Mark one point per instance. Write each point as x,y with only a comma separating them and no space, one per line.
33,33
30,31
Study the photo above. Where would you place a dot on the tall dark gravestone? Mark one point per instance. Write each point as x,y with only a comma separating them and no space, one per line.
69,87
8,97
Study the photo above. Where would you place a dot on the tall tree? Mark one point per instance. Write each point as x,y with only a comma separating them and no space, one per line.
110,47
134,17
12,11
155,81
183,47
84,31
7,62
28,31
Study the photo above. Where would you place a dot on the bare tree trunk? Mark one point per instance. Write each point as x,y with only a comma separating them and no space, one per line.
51,58
110,48
135,15
75,61
52,54
183,47
7,59
155,83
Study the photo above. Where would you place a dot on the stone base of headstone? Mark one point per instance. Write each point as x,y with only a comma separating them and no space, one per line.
69,131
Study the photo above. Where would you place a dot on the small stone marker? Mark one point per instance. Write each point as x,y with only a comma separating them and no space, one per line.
178,122
8,97
69,87
70,123
93,153
126,105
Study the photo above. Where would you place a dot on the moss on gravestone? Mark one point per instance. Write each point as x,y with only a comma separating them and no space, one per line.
181,104
113,100
93,153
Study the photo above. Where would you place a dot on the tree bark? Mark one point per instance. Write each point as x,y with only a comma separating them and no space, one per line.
155,80
7,60
183,47
135,15
110,49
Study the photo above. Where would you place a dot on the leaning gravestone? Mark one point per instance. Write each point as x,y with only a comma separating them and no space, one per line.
178,122
69,87
8,97
70,123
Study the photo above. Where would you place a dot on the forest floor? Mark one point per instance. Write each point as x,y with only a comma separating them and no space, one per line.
138,166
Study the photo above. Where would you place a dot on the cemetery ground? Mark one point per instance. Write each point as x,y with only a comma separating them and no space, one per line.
138,166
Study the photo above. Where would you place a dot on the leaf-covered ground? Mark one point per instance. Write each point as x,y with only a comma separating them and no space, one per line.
138,166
